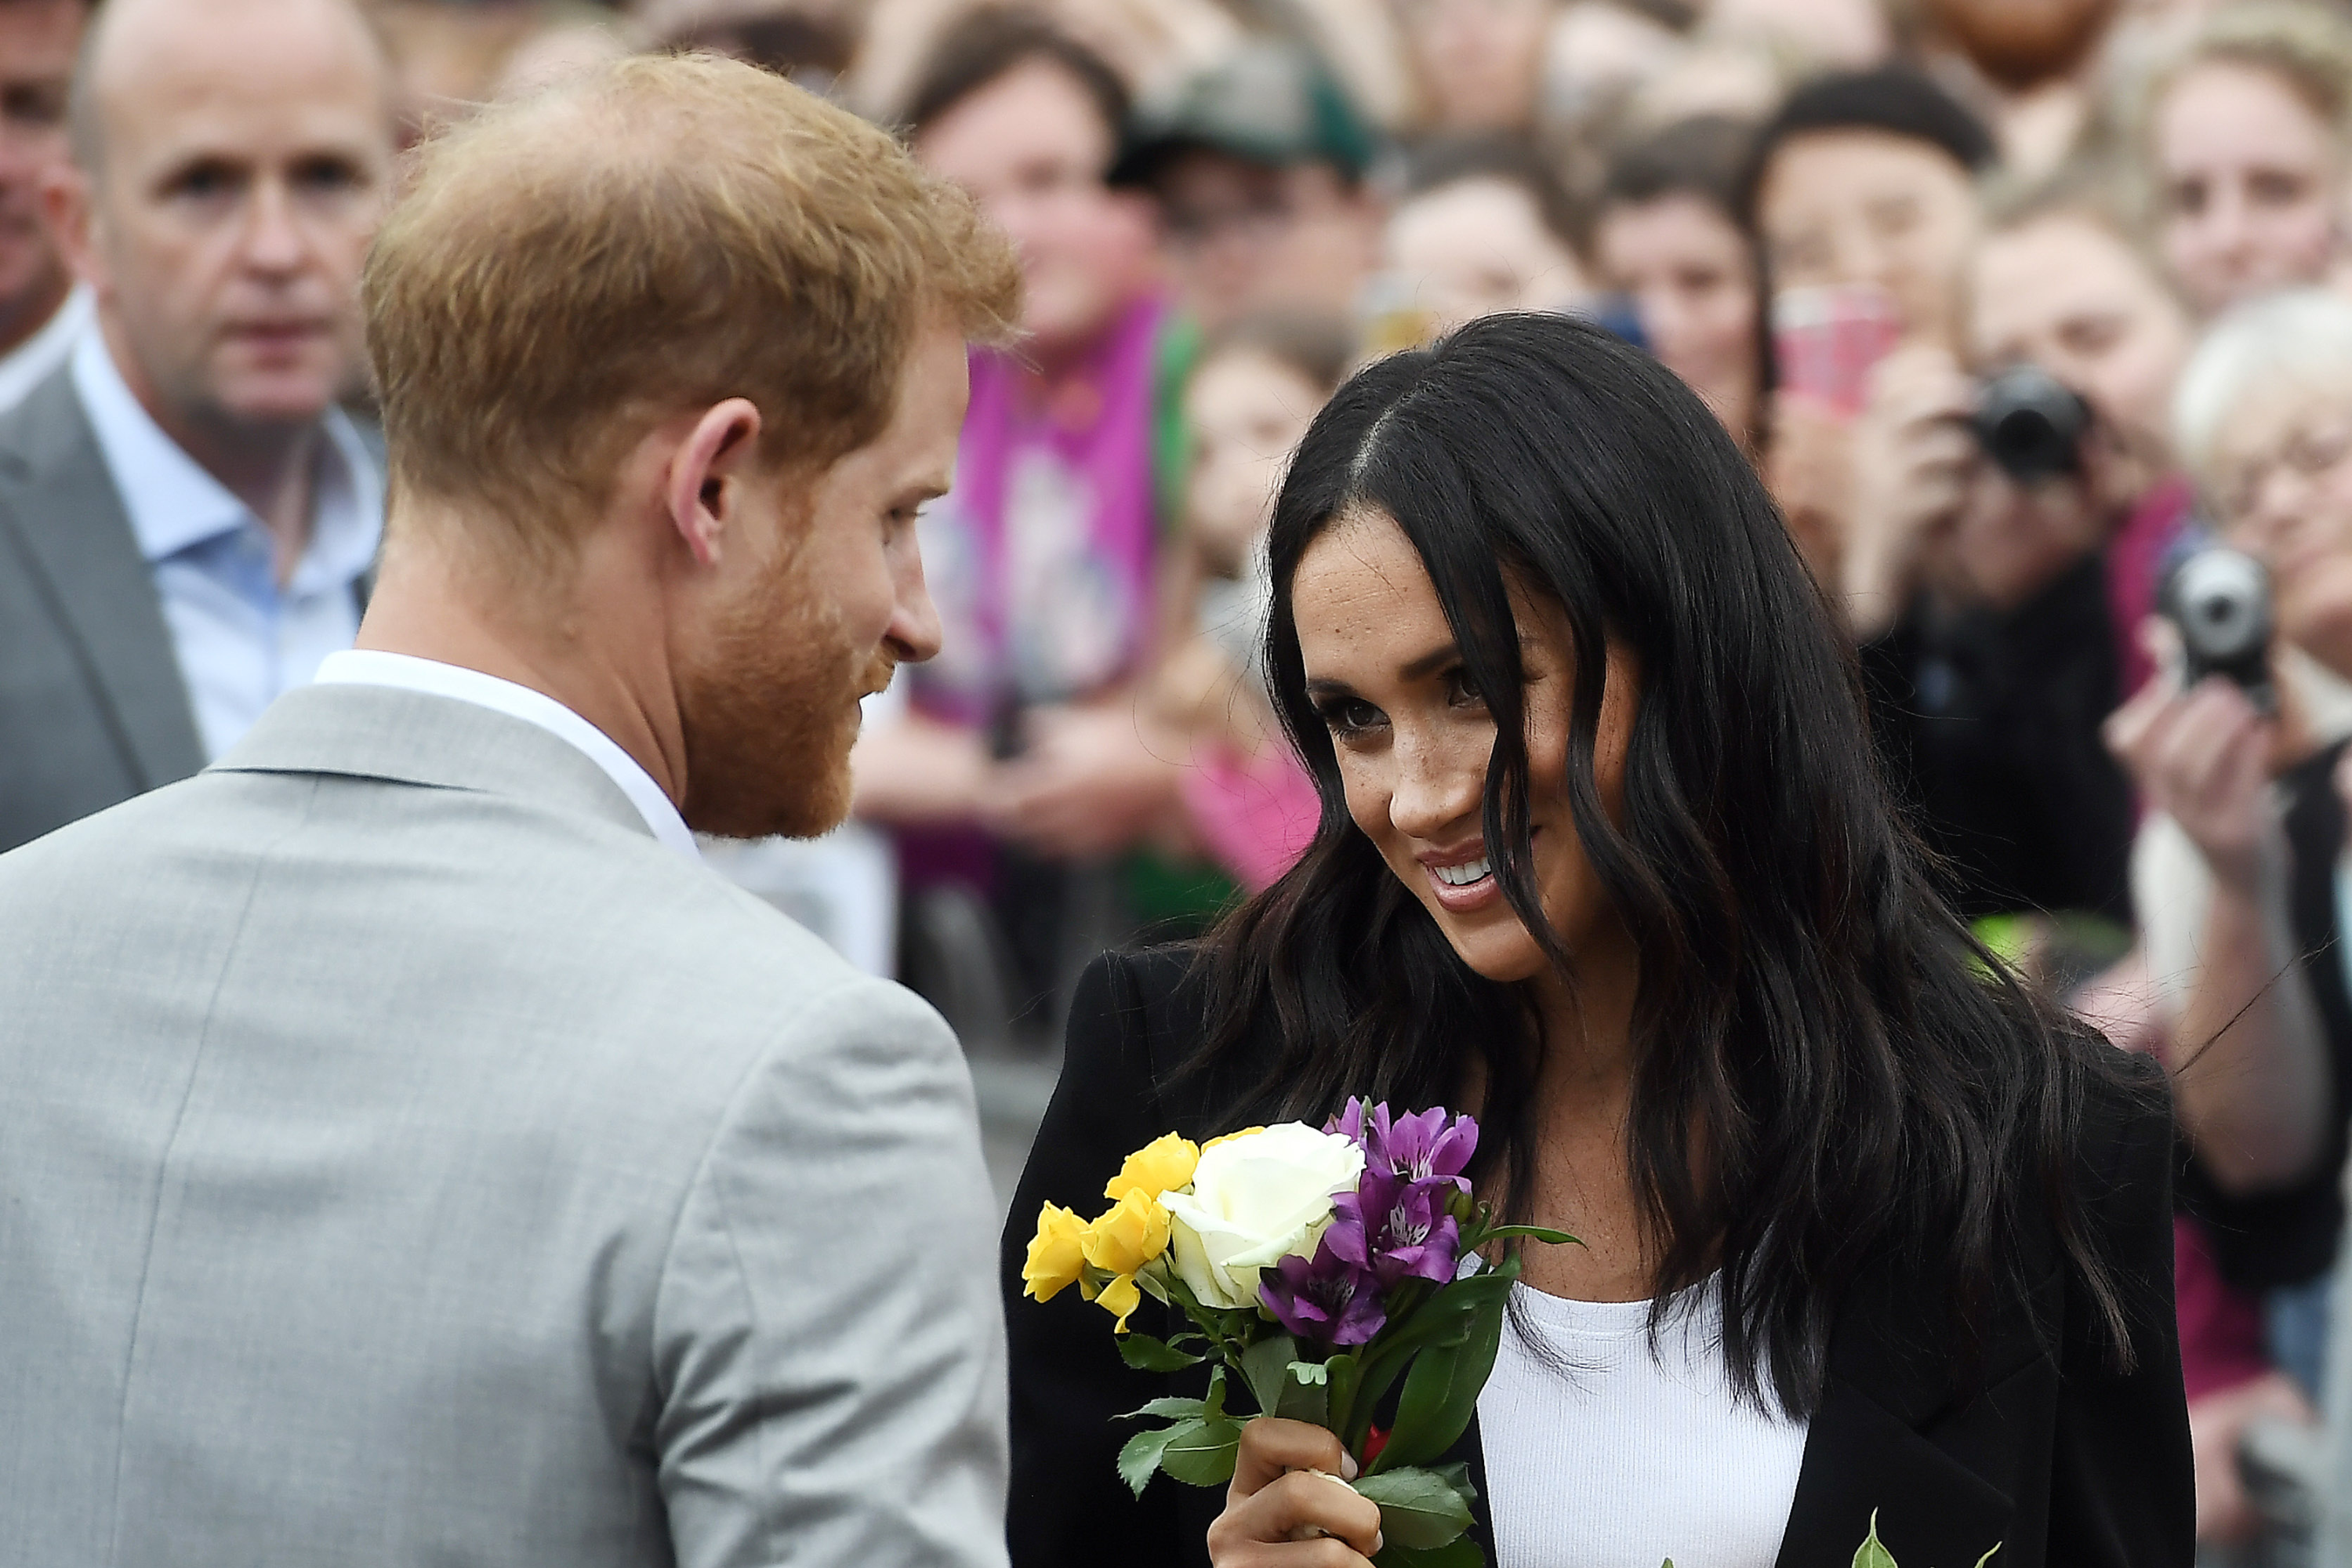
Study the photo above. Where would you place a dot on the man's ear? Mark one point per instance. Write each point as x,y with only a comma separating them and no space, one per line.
66,208
704,492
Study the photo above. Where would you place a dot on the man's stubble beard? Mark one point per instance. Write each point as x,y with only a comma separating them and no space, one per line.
769,712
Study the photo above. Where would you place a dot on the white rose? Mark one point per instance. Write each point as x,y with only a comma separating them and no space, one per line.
1256,1198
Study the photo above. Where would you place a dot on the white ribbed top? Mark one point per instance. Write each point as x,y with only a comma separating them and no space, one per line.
1620,1458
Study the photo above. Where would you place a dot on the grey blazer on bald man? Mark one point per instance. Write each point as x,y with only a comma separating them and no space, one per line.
405,1160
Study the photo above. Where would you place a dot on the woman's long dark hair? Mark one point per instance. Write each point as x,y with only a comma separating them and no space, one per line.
1827,1064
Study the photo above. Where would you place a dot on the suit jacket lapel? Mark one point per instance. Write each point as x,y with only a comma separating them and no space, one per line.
57,499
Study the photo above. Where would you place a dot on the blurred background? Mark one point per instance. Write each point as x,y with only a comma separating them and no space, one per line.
2035,315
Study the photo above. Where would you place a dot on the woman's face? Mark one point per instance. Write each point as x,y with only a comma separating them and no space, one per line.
1477,247
2280,475
2248,182
1688,271
1413,739
1479,60
1871,208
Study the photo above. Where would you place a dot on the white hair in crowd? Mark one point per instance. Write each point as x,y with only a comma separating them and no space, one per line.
2300,334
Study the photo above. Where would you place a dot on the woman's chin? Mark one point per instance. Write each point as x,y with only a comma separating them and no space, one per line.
1496,949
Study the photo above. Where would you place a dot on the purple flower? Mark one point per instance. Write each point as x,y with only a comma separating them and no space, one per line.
1428,1144
1330,1300
1397,1228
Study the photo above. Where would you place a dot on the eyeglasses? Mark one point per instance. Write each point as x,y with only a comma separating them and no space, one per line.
2308,451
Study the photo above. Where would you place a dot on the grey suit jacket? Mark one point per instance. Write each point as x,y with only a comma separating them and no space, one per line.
93,708
405,1160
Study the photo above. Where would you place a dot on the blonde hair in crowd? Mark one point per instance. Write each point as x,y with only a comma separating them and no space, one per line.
652,237
2307,49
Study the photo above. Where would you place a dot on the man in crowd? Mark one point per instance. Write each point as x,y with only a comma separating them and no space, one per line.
41,311
1258,164
186,518
411,1148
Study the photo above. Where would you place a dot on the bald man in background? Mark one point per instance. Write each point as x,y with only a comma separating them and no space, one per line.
186,518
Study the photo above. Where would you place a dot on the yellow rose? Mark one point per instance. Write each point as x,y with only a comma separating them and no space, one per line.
1119,1298
1162,1166
1056,1253
1129,1234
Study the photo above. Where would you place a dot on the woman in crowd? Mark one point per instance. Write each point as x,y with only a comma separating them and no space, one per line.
2266,1052
1668,238
1603,856
2245,136
1860,196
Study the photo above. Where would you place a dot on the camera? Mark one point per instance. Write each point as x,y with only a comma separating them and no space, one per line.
2031,425
2219,599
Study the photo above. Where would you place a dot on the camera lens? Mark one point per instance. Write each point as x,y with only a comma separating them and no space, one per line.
2030,424
2224,608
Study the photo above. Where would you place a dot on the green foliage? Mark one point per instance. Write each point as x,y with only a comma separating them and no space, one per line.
1145,1354
1420,1509
1441,1390
1873,1553
1201,1453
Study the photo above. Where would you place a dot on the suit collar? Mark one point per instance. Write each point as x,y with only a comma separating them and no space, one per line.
58,500
437,742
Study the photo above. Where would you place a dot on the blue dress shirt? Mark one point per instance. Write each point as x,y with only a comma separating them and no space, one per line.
241,639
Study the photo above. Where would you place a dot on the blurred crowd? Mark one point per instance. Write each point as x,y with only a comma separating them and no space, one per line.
2036,315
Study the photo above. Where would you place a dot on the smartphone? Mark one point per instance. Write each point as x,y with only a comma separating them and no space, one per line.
1826,339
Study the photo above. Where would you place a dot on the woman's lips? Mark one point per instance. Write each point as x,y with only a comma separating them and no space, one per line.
1460,885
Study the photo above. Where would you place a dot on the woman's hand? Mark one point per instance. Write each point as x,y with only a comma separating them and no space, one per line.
1280,1514
2202,757
1913,456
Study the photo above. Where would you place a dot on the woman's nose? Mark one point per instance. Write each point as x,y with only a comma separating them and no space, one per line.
1439,789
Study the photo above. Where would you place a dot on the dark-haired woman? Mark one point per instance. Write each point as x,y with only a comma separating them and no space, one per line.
1603,858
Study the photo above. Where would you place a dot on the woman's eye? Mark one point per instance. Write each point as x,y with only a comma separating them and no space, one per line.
1347,716
1463,692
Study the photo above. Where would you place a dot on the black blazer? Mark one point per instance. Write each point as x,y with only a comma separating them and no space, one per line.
2057,1458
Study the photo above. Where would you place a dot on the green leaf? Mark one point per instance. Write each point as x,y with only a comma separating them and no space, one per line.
1988,1556
1871,1553
1140,1456
1266,1367
1460,1553
1534,1233
1301,1401
1420,1510
1441,1391
1201,1453
1185,1408
1145,1354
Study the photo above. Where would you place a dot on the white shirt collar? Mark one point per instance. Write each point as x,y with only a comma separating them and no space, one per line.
172,502
367,666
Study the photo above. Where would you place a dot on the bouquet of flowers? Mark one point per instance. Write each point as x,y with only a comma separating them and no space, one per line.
1323,1269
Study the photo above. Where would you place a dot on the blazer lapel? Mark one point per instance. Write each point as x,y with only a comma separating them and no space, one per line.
1892,1436
1861,1460
57,499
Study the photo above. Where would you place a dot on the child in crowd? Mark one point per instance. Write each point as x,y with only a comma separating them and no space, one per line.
1250,398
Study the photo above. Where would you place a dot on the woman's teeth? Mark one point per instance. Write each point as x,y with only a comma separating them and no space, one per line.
1463,876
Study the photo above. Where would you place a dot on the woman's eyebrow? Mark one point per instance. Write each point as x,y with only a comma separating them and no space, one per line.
1431,662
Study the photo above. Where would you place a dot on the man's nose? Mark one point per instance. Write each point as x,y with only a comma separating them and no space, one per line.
274,241
914,633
